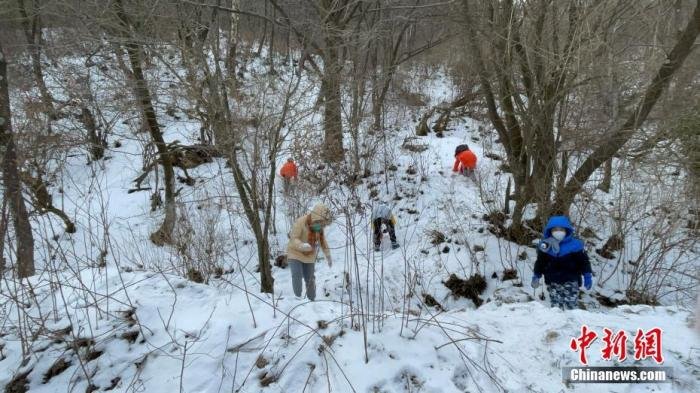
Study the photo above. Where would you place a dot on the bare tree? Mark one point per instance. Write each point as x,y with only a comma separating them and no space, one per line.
11,178
31,24
532,62
249,134
616,139
143,95
333,18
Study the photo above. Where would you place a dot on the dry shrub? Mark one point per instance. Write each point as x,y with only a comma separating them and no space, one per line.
436,237
509,274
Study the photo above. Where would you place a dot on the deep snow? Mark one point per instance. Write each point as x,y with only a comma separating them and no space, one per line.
151,330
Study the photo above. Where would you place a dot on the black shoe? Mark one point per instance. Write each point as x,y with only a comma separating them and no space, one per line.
376,248
394,246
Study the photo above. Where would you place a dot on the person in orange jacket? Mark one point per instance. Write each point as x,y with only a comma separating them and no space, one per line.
465,161
289,173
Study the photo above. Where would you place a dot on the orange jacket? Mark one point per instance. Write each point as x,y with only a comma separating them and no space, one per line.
466,158
289,170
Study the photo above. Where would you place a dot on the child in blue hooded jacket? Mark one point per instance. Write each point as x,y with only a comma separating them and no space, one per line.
562,259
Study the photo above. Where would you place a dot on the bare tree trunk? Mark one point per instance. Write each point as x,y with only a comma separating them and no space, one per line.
332,121
261,44
506,205
271,49
388,69
376,104
613,105
607,177
96,141
32,31
232,54
508,129
356,112
11,180
164,234
226,140
3,232
288,49
563,171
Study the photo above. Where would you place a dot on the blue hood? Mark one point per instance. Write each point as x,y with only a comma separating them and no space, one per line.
568,245
559,221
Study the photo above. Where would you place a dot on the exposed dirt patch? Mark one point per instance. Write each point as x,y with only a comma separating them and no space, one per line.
261,362
113,383
636,297
436,237
281,261
588,233
195,275
608,301
60,333
266,379
614,243
509,274
410,381
83,342
430,301
130,316
130,336
411,144
57,368
551,336
470,288
18,384
92,355
493,156
188,157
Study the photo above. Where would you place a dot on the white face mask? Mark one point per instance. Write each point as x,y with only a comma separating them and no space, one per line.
559,235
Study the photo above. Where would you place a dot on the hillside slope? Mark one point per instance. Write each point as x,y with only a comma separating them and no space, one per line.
133,323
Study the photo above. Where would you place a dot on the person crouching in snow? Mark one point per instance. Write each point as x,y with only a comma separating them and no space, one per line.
562,259
465,161
304,240
382,214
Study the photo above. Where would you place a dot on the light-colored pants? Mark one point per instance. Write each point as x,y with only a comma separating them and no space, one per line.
306,270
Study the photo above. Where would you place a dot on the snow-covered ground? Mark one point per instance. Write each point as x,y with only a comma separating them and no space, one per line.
164,333
137,325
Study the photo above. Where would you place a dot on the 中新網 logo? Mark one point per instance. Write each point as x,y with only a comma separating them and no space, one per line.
646,344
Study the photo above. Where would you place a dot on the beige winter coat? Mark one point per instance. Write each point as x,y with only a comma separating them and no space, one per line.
300,235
